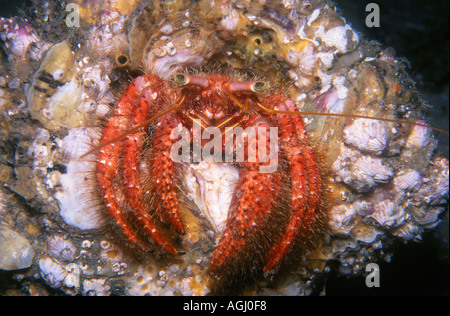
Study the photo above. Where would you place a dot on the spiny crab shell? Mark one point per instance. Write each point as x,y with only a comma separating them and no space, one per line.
384,181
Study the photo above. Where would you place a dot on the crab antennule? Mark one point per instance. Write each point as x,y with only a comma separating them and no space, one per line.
416,123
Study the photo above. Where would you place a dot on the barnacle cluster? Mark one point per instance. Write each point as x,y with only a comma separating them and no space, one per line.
385,182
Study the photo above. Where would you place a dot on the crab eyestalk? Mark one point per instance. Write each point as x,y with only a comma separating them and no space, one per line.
183,80
248,86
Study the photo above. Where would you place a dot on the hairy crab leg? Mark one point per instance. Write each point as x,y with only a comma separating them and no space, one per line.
163,172
131,169
131,109
108,160
315,180
305,180
252,205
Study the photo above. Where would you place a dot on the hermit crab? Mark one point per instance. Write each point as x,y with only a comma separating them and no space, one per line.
277,204
270,209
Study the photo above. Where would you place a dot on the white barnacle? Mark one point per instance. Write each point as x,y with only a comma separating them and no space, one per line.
339,37
419,137
79,141
53,273
78,204
171,49
370,136
341,219
47,114
73,276
388,215
61,249
166,29
211,186
407,180
361,172
367,167
58,74
57,275
96,287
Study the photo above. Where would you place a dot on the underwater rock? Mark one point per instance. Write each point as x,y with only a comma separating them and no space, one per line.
16,252
385,181
54,92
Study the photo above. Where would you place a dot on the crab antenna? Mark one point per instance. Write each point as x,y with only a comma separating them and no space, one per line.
350,116
417,123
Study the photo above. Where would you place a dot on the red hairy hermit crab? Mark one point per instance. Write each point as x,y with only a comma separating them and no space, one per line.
271,210
136,182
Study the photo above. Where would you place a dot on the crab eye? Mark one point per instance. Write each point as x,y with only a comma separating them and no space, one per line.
259,86
180,79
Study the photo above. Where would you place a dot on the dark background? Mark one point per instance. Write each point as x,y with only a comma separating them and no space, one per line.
9,7
419,31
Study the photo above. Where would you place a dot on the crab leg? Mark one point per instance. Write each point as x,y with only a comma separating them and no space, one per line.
134,191
109,158
305,182
128,113
253,201
164,173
